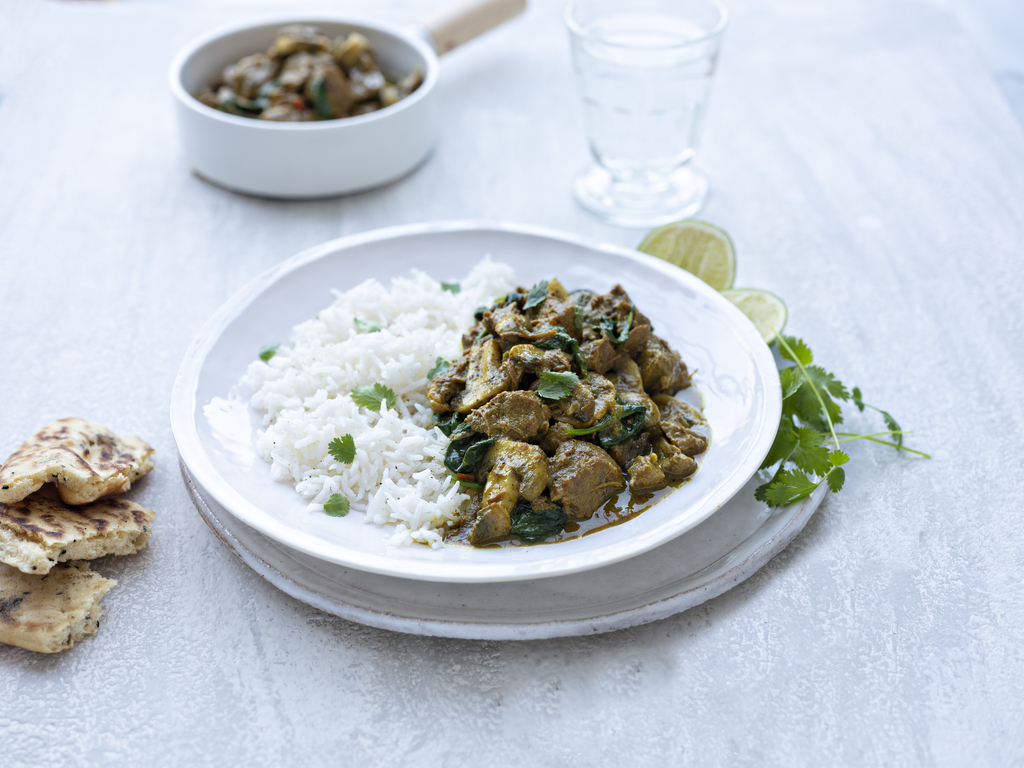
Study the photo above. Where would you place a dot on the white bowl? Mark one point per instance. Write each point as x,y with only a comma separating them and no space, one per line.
215,434
303,160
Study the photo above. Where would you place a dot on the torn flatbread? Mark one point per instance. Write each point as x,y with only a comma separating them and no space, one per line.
84,460
53,612
38,532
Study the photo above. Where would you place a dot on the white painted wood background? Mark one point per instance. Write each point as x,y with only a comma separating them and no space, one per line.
870,173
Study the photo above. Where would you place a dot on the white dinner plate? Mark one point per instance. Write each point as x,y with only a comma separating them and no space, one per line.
733,369
712,558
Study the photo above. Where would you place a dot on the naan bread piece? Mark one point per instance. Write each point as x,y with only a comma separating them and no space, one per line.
50,613
85,460
38,532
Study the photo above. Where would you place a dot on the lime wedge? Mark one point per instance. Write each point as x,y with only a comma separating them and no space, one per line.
698,247
766,311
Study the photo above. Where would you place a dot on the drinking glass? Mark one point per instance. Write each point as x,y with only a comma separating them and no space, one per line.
644,69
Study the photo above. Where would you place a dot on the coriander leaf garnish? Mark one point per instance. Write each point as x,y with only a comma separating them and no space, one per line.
440,366
556,385
809,454
795,350
268,351
890,422
365,326
537,294
788,486
810,412
370,396
342,449
452,287
336,506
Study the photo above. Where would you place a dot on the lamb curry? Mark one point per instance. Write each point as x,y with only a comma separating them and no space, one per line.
560,402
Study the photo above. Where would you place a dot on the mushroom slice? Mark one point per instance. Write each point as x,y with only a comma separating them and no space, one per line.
297,37
486,377
248,75
514,470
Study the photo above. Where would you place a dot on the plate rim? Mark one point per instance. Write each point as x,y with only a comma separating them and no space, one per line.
186,437
722,576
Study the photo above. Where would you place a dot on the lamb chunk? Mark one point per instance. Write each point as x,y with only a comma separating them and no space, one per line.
336,89
616,306
508,323
556,435
624,453
604,396
577,410
645,475
516,415
590,315
600,354
486,377
676,421
526,358
583,477
557,310
661,368
297,69
673,462
630,388
447,384
638,335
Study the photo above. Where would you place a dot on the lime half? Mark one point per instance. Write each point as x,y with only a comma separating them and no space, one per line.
698,247
766,311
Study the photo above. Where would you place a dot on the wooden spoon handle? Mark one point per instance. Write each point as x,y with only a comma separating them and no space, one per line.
463,20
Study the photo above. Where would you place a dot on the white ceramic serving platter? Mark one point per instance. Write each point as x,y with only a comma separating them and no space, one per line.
735,373
715,556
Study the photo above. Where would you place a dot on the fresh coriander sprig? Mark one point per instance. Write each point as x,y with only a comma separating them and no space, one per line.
536,296
809,415
371,396
555,385
366,326
336,506
890,422
440,366
342,449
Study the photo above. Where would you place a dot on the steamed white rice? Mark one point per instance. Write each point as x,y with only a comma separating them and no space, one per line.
398,475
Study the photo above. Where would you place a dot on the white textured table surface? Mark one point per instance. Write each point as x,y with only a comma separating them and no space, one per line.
869,172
